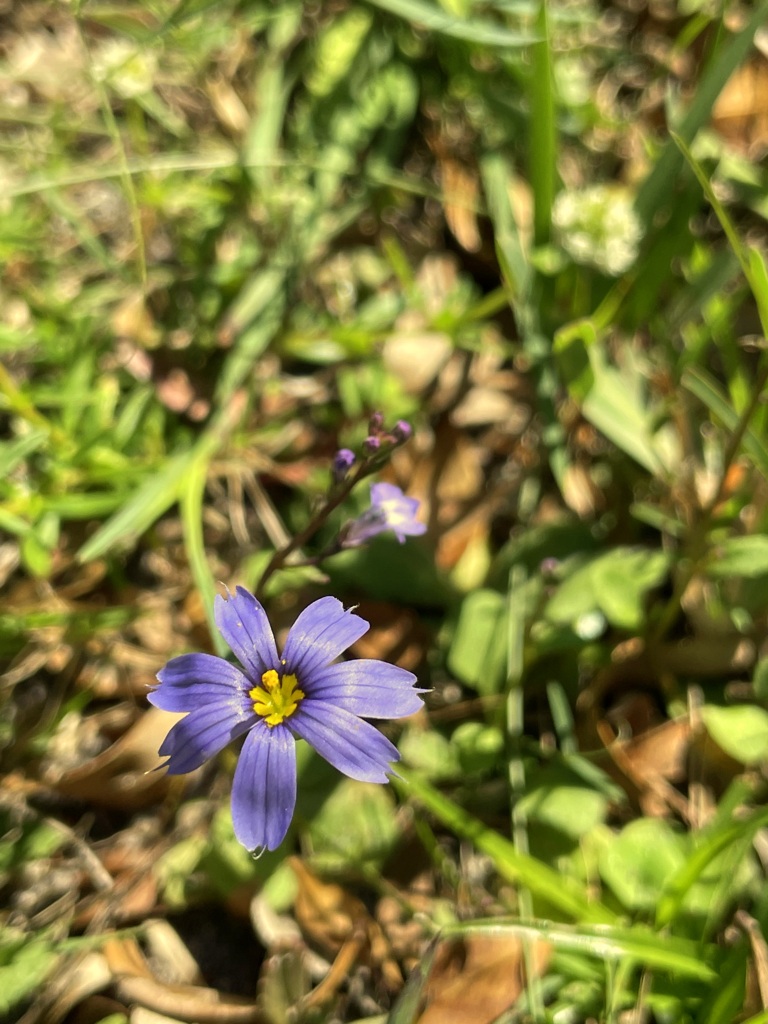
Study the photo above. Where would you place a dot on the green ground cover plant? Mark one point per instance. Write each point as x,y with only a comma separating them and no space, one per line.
505,261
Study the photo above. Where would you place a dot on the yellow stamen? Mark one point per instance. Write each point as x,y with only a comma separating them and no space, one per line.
278,699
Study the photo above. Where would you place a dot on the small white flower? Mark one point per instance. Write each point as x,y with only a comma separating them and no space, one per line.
598,226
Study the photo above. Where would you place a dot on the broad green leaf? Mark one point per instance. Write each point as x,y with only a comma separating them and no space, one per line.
478,653
740,556
479,746
355,826
623,411
637,862
614,583
557,797
25,961
430,753
741,731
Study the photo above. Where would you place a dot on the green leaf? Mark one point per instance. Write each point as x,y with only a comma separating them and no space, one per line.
355,826
430,753
25,962
478,653
614,583
637,862
738,834
618,405
740,556
742,731
557,797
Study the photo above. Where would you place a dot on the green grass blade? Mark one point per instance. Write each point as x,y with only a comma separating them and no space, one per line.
562,893
476,30
749,260
678,885
156,495
705,388
659,186
659,952
543,155
191,505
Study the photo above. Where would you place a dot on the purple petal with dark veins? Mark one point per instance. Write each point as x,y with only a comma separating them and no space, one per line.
192,681
321,633
371,689
244,625
200,735
264,787
353,746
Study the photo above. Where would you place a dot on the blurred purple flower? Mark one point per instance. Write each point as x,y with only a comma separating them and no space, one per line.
371,445
304,694
375,423
402,431
391,510
343,461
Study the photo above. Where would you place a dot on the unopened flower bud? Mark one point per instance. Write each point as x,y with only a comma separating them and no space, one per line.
343,461
371,445
375,423
402,431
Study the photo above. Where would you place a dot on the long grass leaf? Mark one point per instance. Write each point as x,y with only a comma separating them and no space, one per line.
191,505
156,495
564,894
705,388
660,952
659,186
475,30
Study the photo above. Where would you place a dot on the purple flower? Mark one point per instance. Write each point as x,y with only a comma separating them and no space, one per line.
402,431
304,694
343,461
390,510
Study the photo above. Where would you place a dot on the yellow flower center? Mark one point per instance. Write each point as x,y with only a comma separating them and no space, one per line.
277,698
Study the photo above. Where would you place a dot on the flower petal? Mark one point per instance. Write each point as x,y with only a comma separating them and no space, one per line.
193,680
244,625
369,688
321,633
353,746
264,787
200,735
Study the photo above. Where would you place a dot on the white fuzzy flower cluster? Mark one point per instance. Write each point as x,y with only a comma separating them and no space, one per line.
598,226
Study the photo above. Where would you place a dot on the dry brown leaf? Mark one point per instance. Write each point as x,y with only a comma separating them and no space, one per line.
135,983
340,925
740,114
123,776
460,197
475,979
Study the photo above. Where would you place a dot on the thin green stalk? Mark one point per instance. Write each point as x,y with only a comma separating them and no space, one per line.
543,129
516,765
125,176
